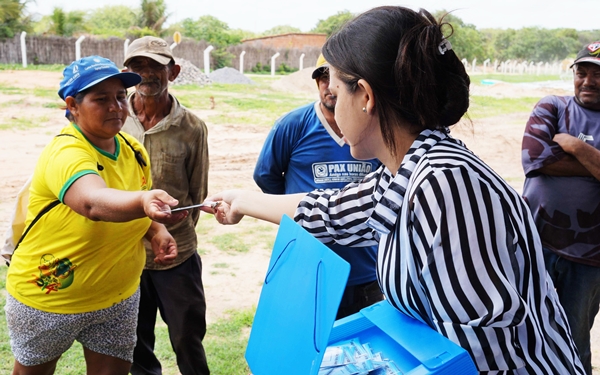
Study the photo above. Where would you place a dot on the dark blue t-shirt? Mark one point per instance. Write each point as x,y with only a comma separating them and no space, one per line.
302,153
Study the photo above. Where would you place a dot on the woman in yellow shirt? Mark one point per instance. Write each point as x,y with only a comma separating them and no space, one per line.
75,274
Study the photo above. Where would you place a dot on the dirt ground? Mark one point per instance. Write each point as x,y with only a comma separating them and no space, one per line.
233,152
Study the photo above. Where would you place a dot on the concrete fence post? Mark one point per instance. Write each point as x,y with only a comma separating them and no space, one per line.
273,63
207,59
242,61
23,49
125,47
539,67
78,47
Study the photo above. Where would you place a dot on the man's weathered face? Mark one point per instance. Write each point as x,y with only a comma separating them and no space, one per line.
325,95
155,76
587,85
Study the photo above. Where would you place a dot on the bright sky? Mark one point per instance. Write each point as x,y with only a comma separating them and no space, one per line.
261,15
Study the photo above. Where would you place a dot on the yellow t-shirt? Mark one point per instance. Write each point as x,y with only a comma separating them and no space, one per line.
68,263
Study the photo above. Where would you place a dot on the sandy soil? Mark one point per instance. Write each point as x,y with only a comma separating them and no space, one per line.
234,280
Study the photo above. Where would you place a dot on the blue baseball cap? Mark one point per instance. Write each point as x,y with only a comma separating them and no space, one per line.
89,71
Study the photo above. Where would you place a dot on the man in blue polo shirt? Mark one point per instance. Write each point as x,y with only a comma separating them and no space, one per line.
305,151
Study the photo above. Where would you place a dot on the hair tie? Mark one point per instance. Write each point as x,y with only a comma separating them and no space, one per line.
444,46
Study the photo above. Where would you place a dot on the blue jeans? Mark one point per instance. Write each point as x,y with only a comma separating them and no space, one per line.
578,288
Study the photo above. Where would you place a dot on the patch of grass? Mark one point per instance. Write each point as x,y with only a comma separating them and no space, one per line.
221,265
230,242
262,78
37,92
45,93
271,102
238,119
202,251
206,223
244,104
163,350
13,103
515,78
487,106
55,105
23,123
24,102
9,90
261,234
48,68
226,342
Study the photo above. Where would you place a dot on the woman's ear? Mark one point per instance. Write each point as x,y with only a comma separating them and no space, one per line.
367,95
72,105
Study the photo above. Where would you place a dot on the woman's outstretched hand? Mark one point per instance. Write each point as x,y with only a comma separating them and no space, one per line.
224,206
230,206
157,204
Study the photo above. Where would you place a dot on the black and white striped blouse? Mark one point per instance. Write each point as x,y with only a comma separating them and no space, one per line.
458,250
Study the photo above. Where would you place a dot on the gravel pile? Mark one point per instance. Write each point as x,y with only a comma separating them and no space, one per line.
229,75
190,74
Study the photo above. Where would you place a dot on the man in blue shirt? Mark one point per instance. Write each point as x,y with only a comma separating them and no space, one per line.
304,151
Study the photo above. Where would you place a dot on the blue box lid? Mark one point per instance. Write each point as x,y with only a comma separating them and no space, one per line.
298,304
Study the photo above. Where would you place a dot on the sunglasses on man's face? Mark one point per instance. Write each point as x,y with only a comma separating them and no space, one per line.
324,77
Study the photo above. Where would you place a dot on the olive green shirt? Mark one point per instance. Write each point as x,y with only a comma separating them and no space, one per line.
178,150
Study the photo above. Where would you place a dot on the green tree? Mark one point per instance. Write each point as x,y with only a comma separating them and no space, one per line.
281,29
216,33
153,15
501,41
12,20
211,30
467,42
536,44
333,23
111,20
239,35
62,23
587,37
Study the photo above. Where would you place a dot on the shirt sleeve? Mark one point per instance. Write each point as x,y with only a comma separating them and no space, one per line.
468,248
68,162
538,148
340,215
274,159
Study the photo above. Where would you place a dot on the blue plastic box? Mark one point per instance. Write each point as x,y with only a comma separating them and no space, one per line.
295,317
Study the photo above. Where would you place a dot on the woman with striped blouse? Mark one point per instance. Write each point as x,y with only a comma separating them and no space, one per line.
458,249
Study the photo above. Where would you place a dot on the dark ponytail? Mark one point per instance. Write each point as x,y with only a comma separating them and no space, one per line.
404,56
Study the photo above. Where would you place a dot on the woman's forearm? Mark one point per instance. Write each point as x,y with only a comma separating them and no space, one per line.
269,207
235,204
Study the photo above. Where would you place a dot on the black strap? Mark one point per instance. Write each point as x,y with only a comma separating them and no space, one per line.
35,220
137,153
